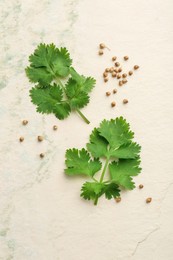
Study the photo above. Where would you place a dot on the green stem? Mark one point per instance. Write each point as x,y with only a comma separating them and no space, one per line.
102,177
77,110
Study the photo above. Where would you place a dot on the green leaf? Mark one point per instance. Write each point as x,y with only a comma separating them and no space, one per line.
49,100
121,172
126,151
98,145
77,98
79,162
116,132
92,190
111,190
47,63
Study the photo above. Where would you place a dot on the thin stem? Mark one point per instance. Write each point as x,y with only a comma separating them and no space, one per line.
102,177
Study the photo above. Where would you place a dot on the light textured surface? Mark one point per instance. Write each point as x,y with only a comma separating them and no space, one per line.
42,216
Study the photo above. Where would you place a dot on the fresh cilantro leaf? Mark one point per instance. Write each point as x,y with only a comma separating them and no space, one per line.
79,162
112,141
48,64
49,100
122,171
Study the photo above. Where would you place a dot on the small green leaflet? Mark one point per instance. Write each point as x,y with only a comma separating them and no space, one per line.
48,66
113,142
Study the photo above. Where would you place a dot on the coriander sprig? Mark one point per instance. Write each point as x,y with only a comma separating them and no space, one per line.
112,142
48,67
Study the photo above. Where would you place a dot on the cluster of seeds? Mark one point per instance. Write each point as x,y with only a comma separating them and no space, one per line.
116,72
39,137
148,200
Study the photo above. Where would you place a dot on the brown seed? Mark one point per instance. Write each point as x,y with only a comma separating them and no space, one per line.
124,81
25,122
41,155
136,67
108,94
126,57
118,76
102,45
120,83
55,127
148,200
116,70
124,75
106,79
117,64
141,186
21,139
114,91
130,72
111,69
40,138
100,52
114,58
105,74
125,101
118,199
120,70
107,70
113,104
114,74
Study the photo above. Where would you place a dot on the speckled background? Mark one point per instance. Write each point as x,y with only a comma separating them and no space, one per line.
42,216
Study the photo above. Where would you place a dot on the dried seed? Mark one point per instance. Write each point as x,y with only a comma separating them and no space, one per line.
102,45
41,155
113,104
100,52
114,58
21,139
148,200
55,127
106,79
111,69
125,101
118,76
120,70
114,91
124,75
136,67
107,70
114,74
25,122
126,57
40,138
117,64
105,74
124,81
118,199
116,70
141,186
120,83
108,94
130,72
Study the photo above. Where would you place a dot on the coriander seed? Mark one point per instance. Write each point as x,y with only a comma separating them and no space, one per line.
111,69
25,122
114,74
102,46
130,72
100,52
114,58
113,104
116,70
108,93
114,91
41,155
126,57
120,70
118,199
124,81
118,76
21,139
136,67
120,83
125,101
124,75
105,74
106,79
40,138
148,200
117,64
107,70
141,186
55,127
